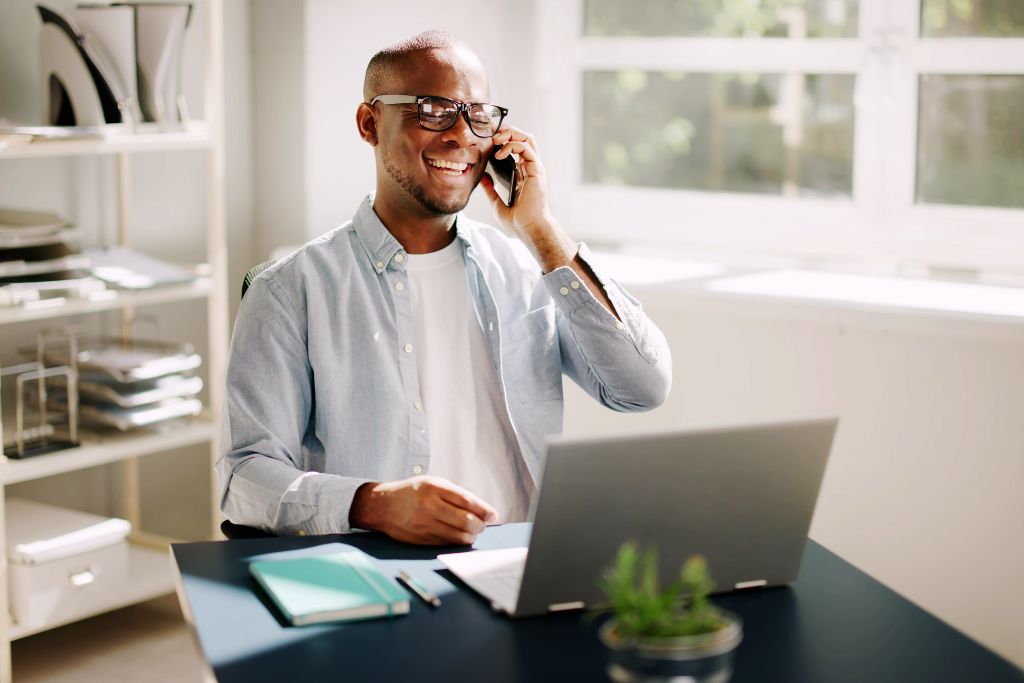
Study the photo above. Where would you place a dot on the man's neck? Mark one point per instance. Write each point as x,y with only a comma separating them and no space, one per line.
417,233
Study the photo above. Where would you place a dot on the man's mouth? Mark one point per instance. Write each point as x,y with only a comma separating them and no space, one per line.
450,168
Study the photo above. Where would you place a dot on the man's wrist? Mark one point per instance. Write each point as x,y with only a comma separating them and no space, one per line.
361,513
551,246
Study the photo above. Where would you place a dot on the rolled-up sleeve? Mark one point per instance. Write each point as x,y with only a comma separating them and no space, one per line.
624,363
263,477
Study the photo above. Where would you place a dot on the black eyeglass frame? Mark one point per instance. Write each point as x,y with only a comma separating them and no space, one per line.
462,108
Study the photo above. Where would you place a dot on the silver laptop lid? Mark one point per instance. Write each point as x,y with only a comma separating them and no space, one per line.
742,497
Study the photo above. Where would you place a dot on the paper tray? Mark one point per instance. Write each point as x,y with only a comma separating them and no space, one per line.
110,358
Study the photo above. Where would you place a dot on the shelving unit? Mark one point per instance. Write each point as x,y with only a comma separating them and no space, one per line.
149,567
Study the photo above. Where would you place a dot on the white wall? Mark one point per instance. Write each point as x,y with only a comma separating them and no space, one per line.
279,142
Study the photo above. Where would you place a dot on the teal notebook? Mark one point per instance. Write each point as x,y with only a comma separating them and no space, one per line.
336,586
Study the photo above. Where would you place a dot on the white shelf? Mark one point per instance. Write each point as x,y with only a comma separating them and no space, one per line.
114,448
195,138
150,577
108,300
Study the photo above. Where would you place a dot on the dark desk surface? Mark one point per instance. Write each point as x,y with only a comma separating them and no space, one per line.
834,624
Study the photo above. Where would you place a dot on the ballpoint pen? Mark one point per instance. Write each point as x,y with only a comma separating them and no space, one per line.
417,588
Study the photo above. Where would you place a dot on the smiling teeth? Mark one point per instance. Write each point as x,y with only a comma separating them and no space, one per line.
459,166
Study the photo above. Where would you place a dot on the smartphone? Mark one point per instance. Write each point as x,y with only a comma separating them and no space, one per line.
503,173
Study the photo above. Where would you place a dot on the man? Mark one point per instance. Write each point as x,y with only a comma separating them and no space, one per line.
400,373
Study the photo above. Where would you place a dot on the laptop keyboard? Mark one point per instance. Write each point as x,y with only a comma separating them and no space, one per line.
497,575
501,585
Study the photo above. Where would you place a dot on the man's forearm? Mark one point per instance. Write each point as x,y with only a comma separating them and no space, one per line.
554,249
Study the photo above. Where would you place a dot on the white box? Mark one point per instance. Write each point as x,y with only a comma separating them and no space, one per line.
62,564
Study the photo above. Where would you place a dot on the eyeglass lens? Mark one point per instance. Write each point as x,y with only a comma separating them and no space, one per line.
439,113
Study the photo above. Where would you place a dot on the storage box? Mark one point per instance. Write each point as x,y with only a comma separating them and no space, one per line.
62,564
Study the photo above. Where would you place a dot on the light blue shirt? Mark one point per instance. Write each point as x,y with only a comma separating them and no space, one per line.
322,390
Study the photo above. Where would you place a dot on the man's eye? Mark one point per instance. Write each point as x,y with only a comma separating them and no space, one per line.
434,116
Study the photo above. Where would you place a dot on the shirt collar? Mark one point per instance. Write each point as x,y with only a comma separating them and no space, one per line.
381,246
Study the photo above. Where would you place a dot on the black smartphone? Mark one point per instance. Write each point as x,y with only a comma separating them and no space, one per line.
504,174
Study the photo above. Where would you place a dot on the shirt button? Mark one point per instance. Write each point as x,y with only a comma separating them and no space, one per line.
416,405
408,348
399,286
619,325
302,532
575,284
380,265
418,469
564,290
399,257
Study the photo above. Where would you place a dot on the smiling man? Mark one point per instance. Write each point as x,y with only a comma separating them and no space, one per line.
401,372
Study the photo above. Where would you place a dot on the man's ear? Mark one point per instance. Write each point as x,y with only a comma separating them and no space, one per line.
366,122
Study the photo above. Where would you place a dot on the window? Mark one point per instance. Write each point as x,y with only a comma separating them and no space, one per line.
822,127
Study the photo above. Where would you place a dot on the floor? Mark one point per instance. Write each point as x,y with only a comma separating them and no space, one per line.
145,643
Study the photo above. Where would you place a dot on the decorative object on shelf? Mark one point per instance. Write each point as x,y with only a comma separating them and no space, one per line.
35,378
81,83
62,563
114,64
160,42
675,634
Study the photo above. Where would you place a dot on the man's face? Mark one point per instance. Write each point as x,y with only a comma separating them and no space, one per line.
412,156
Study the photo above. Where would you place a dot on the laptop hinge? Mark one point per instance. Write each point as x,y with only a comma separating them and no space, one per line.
563,606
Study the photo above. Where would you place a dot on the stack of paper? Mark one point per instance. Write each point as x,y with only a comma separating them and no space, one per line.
124,268
39,258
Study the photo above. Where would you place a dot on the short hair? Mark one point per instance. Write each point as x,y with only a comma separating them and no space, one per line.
382,64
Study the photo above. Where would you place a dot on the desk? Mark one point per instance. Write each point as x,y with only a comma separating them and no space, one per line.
834,624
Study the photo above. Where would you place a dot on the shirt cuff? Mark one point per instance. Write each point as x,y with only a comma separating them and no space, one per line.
574,298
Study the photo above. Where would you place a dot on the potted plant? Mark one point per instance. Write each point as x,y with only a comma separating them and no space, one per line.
671,634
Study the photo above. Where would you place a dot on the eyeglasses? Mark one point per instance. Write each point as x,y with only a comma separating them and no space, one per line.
440,113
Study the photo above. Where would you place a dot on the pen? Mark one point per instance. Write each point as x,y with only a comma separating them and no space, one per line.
417,588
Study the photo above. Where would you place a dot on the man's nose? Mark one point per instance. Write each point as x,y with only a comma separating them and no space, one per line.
460,133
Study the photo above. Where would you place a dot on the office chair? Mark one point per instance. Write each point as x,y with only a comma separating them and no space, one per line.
231,530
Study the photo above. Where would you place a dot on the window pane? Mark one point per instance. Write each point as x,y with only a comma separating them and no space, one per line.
971,141
760,133
722,18
967,18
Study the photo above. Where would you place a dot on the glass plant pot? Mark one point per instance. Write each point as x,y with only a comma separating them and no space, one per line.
705,658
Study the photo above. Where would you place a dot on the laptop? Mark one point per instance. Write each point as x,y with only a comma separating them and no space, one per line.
742,497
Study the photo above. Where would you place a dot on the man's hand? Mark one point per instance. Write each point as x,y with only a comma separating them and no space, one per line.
529,218
423,510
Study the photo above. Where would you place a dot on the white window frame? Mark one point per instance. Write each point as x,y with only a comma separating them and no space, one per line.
881,221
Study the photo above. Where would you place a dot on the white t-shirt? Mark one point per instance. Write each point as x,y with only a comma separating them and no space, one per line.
472,443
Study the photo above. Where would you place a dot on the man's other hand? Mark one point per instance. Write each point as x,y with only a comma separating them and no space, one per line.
423,510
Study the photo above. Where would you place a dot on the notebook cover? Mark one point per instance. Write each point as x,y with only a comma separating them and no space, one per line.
339,586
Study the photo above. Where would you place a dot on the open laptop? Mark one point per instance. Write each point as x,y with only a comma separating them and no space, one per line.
742,497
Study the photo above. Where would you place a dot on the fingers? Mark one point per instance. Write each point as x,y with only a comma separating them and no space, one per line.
467,501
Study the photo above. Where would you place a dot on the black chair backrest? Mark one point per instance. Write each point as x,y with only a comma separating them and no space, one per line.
227,527
253,272
232,531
